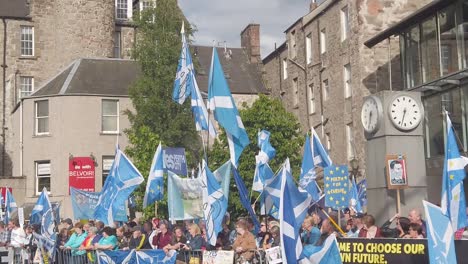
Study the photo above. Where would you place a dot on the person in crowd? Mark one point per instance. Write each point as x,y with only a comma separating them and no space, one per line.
100,227
3,235
62,237
325,230
123,238
272,223
225,235
151,230
263,237
245,241
31,244
108,240
415,217
164,237
369,230
147,228
68,224
187,224
310,233
86,227
178,241
202,226
88,244
401,227
196,241
415,231
18,236
73,244
275,236
138,240
356,226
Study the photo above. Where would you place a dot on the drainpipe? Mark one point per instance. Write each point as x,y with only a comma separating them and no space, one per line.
4,66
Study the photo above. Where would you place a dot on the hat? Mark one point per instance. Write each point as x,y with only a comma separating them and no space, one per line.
136,228
358,215
68,221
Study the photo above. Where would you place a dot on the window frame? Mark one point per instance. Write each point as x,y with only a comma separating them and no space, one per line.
38,118
349,142
344,18
323,41
309,48
348,88
38,176
116,116
325,89
311,95
285,68
23,84
295,91
25,41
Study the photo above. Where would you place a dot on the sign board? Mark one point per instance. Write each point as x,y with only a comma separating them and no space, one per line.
174,160
396,172
21,216
273,255
336,186
218,257
81,171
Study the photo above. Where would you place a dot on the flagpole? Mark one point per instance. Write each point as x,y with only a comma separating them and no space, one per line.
333,222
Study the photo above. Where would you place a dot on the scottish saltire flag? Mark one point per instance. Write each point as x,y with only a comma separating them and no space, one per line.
225,110
10,205
267,152
116,256
84,204
214,204
184,77
123,178
327,253
156,256
44,214
270,197
314,155
353,197
263,171
440,235
155,184
453,202
199,111
185,195
292,211
244,198
362,191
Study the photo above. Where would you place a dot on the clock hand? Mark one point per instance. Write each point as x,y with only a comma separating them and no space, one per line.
369,122
404,113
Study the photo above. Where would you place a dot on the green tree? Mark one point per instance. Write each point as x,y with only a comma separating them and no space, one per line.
155,116
269,114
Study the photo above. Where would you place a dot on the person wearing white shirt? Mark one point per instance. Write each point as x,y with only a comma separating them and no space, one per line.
18,236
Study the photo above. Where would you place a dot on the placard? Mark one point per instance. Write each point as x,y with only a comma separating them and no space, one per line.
336,186
21,216
174,160
218,257
273,255
81,172
397,177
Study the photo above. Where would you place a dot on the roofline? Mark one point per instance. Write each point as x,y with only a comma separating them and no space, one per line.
276,51
293,24
317,11
26,18
249,25
412,19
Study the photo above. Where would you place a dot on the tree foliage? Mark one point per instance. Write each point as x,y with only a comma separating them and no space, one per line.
155,116
269,114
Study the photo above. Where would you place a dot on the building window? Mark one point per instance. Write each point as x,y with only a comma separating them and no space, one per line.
309,48
344,23
42,176
42,117
293,44
325,90
285,69
147,4
311,99
26,86
106,167
27,41
349,141
429,50
448,40
117,44
121,9
110,116
295,93
323,41
348,91
328,141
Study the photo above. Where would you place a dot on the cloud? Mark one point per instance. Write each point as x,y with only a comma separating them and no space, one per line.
224,20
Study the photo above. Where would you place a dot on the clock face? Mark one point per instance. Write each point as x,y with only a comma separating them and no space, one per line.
405,112
371,114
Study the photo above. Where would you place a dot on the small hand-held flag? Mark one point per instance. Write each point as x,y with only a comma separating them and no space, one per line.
155,184
10,205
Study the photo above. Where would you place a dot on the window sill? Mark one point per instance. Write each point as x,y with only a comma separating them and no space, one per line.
296,106
348,98
110,133
42,135
23,57
311,114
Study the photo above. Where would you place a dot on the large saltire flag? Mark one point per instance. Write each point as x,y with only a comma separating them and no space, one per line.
155,184
44,214
453,202
10,205
263,171
123,178
183,80
440,235
225,110
214,204
292,211
327,253
314,155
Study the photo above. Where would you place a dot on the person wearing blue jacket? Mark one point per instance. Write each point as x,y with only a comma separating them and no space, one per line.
72,245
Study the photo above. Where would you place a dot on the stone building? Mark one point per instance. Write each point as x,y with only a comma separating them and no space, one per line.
323,69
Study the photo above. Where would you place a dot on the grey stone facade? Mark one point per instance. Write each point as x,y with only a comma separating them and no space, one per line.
304,84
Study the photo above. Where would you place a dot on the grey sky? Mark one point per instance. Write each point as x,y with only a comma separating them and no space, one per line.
224,20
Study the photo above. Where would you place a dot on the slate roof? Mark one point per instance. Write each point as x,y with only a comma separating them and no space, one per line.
111,77
243,77
15,9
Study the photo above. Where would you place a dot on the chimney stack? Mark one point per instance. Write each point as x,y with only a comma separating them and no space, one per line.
313,5
250,41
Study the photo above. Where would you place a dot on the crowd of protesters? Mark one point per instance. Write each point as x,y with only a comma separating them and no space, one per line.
77,242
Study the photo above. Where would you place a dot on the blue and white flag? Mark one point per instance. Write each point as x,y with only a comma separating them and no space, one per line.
10,205
362,191
225,110
270,197
453,202
263,174
353,197
244,198
292,211
214,204
84,204
183,80
199,111
263,171
123,178
267,151
314,155
40,208
440,235
156,256
44,214
327,253
116,256
155,184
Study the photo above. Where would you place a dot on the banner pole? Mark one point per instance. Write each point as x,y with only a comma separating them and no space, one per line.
156,209
398,201
333,222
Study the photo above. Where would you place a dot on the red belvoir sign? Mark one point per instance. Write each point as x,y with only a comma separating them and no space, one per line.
81,174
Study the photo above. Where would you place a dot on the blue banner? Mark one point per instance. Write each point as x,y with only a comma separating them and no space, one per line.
336,186
174,160
154,256
84,203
